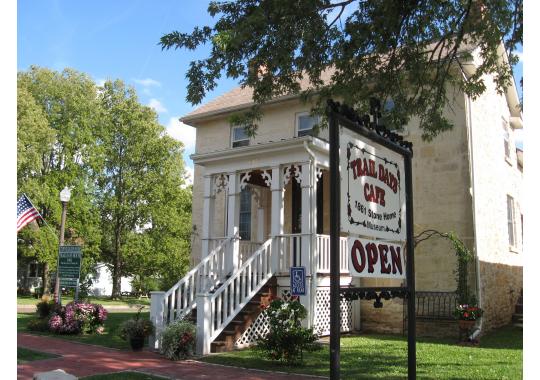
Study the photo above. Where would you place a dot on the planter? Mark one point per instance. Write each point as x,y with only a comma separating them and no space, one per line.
465,325
136,343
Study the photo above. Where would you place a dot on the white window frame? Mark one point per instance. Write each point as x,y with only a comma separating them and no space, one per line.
297,126
233,141
507,142
511,222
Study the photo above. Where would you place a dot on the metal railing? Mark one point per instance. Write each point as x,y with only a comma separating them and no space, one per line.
436,305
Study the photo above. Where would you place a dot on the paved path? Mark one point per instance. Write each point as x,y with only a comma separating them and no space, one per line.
84,360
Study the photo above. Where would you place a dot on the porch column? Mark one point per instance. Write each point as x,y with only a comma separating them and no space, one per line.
276,227
233,222
208,214
307,224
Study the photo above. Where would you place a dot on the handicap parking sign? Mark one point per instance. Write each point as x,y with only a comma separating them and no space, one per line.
298,281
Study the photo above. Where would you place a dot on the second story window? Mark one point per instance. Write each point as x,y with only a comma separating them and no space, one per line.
506,136
305,123
239,137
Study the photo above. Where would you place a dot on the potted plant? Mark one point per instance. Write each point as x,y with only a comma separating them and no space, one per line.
467,315
135,330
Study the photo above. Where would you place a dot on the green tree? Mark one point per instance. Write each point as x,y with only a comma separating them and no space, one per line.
57,116
408,52
143,208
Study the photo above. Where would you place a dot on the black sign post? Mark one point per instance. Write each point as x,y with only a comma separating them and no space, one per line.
341,115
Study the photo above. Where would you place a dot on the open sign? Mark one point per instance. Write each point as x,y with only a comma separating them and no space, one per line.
376,258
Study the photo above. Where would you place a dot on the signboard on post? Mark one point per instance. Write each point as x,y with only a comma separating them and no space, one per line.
370,201
69,265
298,281
372,192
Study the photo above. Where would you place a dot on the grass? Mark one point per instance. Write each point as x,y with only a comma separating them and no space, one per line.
25,355
123,376
105,301
500,356
109,338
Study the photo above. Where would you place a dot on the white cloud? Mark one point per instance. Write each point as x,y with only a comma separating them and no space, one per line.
156,105
189,176
183,132
147,82
100,82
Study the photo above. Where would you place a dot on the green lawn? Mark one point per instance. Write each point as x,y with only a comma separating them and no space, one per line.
105,301
25,355
109,338
500,356
123,376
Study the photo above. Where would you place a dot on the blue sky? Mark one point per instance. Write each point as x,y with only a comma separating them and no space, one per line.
118,39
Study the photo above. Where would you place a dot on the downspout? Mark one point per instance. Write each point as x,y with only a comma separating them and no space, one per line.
468,106
314,258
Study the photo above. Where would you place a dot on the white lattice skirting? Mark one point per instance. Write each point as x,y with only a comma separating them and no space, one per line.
322,313
260,328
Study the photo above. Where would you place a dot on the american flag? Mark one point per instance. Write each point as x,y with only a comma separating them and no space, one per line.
26,212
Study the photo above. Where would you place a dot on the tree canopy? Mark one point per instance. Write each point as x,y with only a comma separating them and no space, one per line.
403,52
130,207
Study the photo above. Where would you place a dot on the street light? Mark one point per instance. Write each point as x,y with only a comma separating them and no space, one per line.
65,195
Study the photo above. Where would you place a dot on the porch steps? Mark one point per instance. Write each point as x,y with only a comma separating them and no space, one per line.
517,317
243,320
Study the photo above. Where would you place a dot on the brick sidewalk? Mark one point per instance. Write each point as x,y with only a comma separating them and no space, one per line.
84,360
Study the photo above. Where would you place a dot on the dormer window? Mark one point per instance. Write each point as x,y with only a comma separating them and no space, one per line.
239,137
305,123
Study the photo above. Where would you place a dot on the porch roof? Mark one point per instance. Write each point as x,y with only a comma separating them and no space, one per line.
265,155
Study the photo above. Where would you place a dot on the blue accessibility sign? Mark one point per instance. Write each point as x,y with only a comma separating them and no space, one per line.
298,281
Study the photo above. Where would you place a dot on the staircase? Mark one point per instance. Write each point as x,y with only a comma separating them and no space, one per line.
222,305
517,317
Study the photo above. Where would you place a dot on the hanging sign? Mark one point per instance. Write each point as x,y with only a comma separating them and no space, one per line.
372,189
375,258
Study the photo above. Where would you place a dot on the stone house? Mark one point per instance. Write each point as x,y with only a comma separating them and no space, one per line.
261,205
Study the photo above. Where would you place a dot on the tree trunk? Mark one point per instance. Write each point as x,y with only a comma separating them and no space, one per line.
117,272
45,278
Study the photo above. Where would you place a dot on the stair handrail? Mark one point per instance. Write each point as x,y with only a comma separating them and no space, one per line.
240,288
203,277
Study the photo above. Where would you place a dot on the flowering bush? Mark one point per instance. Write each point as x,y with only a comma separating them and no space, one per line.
75,318
287,339
178,340
468,312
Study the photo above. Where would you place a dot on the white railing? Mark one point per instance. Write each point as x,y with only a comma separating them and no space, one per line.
247,248
323,254
181,298
215,242
230,298
289,251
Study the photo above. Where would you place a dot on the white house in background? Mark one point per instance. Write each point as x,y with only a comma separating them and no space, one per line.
102,282
261,205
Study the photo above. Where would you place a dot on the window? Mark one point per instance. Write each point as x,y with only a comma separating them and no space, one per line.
511,222
34,270
305,123
506,136
245,214
239,137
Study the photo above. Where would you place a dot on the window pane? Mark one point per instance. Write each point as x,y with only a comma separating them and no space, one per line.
239,134
306,122
511,222
245,215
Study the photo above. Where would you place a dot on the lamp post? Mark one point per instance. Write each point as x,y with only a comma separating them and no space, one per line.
65,195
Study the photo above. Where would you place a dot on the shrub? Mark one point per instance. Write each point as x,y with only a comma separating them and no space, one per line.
178,340
45,307
75,318
287,339
38,324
